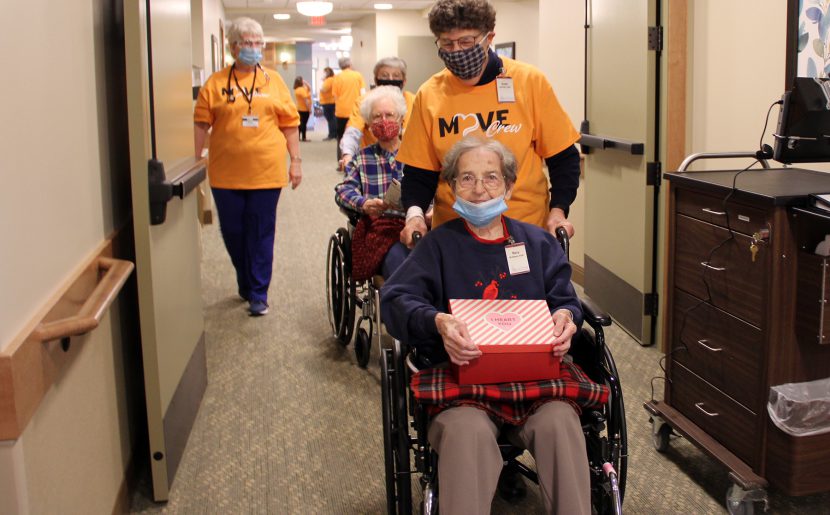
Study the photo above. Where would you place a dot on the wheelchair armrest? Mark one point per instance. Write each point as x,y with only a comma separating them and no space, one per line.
593,314
351,214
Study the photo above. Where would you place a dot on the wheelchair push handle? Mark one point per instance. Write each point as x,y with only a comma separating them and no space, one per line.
564,240
416,237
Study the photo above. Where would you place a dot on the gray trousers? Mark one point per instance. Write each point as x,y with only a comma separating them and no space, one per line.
469,461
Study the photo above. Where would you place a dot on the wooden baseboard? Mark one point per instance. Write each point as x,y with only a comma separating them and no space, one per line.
578,274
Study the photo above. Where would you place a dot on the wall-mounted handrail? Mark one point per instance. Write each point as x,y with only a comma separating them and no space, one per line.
29,363
115,274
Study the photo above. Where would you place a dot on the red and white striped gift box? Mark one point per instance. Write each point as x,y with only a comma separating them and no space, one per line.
514,336
505,323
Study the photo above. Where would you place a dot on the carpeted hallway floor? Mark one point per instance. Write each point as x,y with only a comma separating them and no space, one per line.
290,424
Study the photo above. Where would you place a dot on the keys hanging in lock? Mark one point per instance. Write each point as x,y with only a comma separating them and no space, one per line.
753,249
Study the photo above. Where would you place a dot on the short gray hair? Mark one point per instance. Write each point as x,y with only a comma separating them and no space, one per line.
344,62
242,26
391,62
449,170
393,93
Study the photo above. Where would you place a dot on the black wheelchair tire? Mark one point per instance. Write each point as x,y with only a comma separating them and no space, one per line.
388,422
340,289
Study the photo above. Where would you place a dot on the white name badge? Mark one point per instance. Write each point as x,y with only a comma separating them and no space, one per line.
517,259
250,120
504,89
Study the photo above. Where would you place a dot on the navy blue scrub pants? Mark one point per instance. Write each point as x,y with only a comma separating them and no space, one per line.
248,221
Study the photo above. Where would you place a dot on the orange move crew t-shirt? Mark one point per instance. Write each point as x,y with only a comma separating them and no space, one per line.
534,127
348,85
247,158
356,119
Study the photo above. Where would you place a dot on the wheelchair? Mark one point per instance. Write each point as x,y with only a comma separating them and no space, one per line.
344,296
405,422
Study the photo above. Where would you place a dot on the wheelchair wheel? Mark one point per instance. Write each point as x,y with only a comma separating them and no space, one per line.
340,290
362,347
395,433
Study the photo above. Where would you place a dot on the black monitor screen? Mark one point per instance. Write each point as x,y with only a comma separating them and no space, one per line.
803,134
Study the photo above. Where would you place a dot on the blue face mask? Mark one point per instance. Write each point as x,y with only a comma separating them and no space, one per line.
480,214
249,56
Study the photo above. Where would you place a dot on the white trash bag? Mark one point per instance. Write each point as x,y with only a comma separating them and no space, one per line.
801,409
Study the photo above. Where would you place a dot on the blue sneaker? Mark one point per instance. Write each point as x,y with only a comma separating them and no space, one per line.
258,308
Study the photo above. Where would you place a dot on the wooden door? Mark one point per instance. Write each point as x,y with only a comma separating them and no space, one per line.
167,240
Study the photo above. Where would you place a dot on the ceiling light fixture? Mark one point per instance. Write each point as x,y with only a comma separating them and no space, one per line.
282,16
314,8
383,7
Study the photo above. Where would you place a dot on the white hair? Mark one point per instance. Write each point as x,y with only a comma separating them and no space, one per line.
393,93
241,26
449,170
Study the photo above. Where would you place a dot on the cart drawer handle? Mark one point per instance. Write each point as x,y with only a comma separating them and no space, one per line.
715,268
703,344
708,414
713,212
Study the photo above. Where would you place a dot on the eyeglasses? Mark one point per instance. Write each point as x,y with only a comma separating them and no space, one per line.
468,181
464,42
251,44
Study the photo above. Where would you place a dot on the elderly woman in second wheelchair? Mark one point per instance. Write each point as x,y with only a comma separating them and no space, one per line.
462,259
369,175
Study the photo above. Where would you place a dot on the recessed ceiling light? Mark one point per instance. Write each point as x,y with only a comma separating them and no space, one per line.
383,7
282,16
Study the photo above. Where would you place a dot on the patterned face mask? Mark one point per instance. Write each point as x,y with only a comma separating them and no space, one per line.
464,64
385,130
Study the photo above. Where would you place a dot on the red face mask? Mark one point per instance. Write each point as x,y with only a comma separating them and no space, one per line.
385,130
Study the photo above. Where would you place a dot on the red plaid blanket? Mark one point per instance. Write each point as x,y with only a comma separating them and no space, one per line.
510,402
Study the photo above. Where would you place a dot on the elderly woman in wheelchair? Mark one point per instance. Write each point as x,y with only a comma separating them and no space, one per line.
369,196
466,259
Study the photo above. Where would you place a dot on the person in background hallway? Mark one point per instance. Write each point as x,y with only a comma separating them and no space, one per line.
375,242
389,71
253,123
462,259
327,103
302,95
482,93
347,86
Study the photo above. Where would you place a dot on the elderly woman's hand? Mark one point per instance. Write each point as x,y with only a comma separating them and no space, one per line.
563,330
374,207
456,339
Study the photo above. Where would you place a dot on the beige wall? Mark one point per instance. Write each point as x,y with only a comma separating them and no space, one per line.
560,57
364,45
736,70
392,24
516,21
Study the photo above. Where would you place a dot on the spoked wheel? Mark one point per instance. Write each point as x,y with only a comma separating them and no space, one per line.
398,488
340,291
362,347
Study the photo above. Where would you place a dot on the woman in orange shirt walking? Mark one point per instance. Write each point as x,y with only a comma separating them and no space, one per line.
302,95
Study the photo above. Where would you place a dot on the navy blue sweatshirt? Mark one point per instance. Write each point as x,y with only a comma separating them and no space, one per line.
451,263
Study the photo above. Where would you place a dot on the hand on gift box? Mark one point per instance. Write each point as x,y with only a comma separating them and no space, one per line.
456,338
563,330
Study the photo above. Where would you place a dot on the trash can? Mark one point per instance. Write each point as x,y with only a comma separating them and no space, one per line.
801,409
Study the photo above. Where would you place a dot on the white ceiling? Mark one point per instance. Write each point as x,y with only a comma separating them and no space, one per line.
297,28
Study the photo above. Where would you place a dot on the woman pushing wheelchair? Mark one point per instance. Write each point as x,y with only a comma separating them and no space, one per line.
466,258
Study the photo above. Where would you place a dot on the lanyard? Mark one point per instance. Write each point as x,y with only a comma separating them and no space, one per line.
249,95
